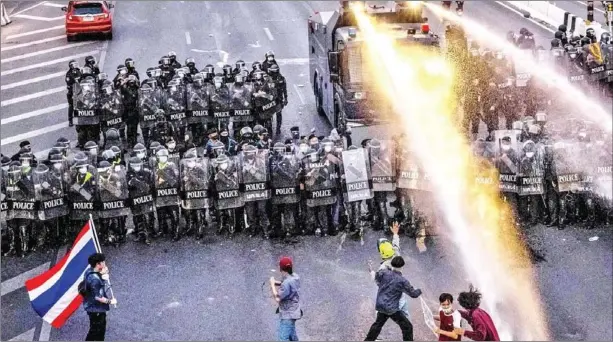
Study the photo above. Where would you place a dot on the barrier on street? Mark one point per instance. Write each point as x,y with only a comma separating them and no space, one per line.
555,16
5,16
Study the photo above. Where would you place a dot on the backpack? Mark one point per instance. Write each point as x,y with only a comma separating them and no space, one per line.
83,288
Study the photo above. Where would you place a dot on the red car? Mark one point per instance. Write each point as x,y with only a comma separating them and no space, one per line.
85,17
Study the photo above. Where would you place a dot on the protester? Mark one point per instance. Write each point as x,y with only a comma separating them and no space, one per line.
98,298
483,328
449,319
391,287
288,297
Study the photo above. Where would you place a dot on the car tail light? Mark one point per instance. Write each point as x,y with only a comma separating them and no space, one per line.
105,16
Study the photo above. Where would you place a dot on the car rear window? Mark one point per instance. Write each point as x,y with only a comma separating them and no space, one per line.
85,9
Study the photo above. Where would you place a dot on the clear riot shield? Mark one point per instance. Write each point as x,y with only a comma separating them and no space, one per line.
356,167
197,103
113,193
82,194
221,105
577,75
568,171
85,106
195,184
175,105
166,180
521,67
586,179
506,161
141,189
111,111
409,174
241,103
607,53
559,60
4,208
596,71
255,176
20,196
266,101
530,179
149,101
284,179
514,134
603,178
227,185
50,189
320,183
383,168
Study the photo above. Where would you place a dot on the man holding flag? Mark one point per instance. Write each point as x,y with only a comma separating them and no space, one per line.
56,294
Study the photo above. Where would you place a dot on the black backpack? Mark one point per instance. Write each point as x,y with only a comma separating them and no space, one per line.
83,288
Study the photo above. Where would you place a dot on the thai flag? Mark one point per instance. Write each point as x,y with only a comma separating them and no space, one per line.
54,294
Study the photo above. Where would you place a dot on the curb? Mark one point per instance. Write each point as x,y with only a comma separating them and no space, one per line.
528,15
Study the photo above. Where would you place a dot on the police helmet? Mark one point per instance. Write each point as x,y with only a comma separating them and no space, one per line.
86,70
529,146
221,160
159,114
562,28
15,170
172,55
80,156
218,148
279,147
534,129
256,65
518,125
154,146
246,132
72,64
605,38
149,71
556,43
227,69
56,158
259,76
81,163
165,61
239,79
273,69
122,69
103,166
240,64
257,129
26,156
590,32
5,161
559,35
90,60
135,161
116,150
585,41
209,68
112,134
218,80
190,62
90,145
108,155
192,153
249,150
64,141
162,152
269,54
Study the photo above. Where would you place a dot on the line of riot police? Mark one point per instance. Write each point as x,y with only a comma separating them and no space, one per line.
175,101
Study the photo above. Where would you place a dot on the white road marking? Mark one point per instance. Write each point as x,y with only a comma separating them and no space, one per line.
51,4
26,336
293,61
18,282
103,55
42,52
300,96
35,17
268,33
36,42
522,15
42,154
44,64
32,134
597,9
59,27
32,80
29,8
32,96
34,113
188,39
308,7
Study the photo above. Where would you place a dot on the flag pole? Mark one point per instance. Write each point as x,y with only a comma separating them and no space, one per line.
99,249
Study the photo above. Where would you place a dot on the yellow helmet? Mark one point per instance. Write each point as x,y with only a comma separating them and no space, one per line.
386,250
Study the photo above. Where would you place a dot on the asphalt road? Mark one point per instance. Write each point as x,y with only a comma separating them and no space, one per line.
213,291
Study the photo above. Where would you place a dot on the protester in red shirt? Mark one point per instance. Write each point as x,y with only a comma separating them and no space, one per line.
483,328
449,319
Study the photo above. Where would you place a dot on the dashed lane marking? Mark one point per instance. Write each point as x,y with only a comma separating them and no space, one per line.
59,27
44,64
36,42
293,61
18,282
32,96
268,33
35,17
26,336
34,133
188,38
51,4
32,80
38,112
42,52
29,8
300,96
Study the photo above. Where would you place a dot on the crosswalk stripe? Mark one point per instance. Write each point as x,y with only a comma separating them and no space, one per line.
32,96
293,61
35,32
26,336
36,42
35,17
34,133
51,4
42,52
24,116
32,80
44,64
17,282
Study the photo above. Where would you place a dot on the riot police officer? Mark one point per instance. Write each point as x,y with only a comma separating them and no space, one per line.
281,87
256,192
140,185
90,61
284,169
269,60
195,192
166,175
130,100
163,130
73,75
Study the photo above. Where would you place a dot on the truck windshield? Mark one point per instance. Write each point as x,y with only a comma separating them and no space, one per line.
354,64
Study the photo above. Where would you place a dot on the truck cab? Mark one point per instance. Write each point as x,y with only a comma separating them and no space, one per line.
344,86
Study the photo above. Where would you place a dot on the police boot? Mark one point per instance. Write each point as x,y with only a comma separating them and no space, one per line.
122,229
39,237
200,224
24,239
175,225
11,248
189,222
266,231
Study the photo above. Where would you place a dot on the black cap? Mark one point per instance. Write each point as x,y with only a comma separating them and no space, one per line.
397,262
294,129
288,141
212,130
24,143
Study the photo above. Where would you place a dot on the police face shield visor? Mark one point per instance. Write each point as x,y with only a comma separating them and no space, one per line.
130,64
73,65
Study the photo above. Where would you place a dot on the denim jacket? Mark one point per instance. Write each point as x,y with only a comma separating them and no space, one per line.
97,287
289,295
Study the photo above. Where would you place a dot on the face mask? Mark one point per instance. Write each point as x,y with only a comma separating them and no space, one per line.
506,147
93,152
270,59
446,311
303,149
217,85
172,146
296,135
5,168
163,159
137,168
313,157
224,166
191,164
529,154
123,72
328,149
25,164
140,155
83,170
213,137
57,166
